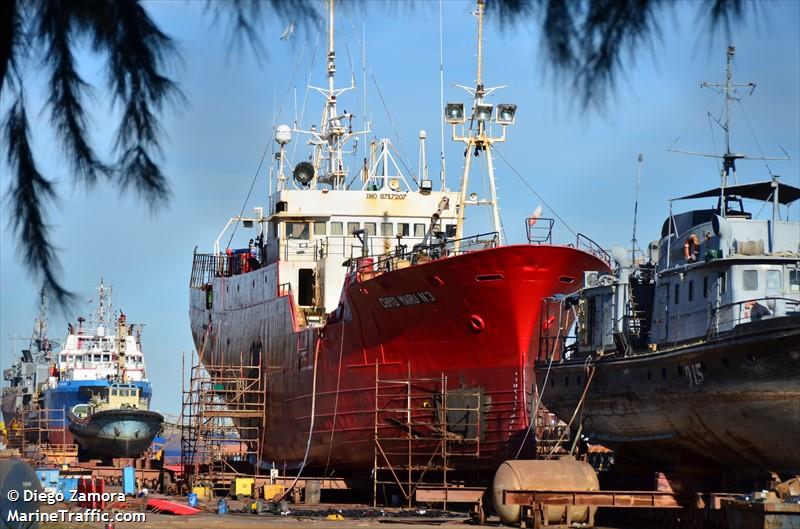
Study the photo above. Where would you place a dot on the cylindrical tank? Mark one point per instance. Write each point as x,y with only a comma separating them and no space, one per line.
15,478
563,474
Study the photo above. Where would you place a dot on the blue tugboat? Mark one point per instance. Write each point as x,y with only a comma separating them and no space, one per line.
99,389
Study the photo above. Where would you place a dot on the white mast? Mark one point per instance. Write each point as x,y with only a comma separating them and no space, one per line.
334,129
477,138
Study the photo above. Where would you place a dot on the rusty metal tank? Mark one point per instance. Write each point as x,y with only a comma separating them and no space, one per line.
556,475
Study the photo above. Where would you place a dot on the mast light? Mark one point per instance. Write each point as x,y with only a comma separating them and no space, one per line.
454,113
506,113
483,112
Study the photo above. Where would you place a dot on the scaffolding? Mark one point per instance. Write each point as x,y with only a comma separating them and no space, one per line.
222,420
419,428
35,432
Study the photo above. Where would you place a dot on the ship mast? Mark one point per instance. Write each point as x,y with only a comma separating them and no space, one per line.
39,337
477,137
335,129
729,158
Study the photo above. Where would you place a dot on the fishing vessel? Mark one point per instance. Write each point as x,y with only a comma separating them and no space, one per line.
350,279
689,359
98,394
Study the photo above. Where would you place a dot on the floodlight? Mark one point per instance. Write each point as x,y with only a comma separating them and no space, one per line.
483,112
425,185
454,113
506,113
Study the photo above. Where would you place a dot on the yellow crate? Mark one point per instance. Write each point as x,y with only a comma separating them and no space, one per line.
271,491
242,486
203,492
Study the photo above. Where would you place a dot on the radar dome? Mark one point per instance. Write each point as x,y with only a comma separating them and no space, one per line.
283,134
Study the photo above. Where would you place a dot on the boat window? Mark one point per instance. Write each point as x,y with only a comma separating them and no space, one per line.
705,287
419,230
773,280
794,280
723,282
351,227
691,290
369,228
87,358
403,229
387,230
319,227
677,292
106,358
750,279
113,392
336,228
63,358
97,358
297,230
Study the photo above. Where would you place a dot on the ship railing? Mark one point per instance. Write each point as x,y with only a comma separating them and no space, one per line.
207,266
403,257
539,230
284,289
726,317
582,242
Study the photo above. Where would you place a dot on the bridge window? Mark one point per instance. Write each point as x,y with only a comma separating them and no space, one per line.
794,280
419,230
319,228
352,226
723,282
773,280
705,287
677,293
297,230
750,279
691,290
403,229
387,230
369,228
336,228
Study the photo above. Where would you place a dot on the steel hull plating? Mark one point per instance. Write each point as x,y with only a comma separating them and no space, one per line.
116,433
731,403
472,318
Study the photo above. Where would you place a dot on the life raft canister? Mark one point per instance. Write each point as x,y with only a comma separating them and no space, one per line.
691,248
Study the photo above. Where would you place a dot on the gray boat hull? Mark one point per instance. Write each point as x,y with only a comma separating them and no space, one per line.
731,403
116,433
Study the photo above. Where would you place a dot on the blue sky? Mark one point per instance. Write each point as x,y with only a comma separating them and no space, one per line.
583,164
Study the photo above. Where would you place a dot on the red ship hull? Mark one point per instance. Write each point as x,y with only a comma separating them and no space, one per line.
472,318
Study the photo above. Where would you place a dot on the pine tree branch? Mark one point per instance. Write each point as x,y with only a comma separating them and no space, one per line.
27,196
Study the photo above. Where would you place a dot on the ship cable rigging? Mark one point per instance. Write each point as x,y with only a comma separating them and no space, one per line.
336,400
269,145
311,425
404,157
530,187
592,368
535,410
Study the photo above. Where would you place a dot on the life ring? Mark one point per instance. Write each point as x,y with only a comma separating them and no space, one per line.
690,248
